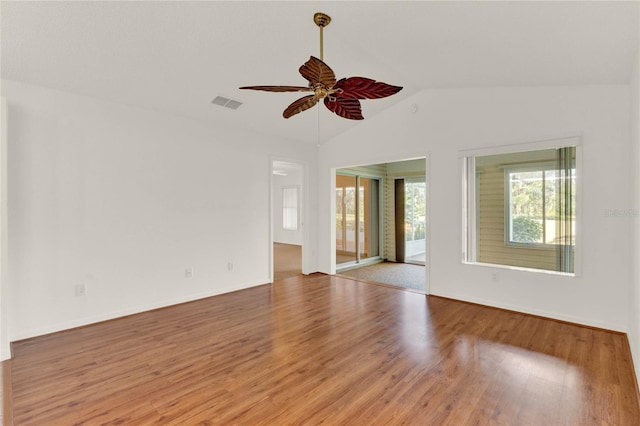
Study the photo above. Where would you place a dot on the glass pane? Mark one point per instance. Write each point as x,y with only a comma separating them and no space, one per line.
414,221
563,215
345,219
339,218
414,210
523,212
526,192
290,208
552,214
369,221
350,217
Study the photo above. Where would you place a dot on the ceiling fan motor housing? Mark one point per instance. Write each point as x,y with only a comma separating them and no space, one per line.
321,19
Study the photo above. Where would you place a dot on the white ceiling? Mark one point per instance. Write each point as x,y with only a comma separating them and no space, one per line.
177,56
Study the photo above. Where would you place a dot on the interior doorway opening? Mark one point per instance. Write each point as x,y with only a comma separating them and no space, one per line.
287,195
381,213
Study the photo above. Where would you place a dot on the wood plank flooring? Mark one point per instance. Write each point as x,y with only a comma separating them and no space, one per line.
287,261
325,350
6,416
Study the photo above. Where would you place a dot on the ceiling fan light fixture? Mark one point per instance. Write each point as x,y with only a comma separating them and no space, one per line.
341,97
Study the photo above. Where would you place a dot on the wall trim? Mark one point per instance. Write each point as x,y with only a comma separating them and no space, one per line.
63,326
537,312
5,349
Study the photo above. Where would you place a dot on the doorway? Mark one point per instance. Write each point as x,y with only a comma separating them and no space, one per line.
287,195
381,230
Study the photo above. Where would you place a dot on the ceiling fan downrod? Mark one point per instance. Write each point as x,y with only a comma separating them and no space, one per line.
321,20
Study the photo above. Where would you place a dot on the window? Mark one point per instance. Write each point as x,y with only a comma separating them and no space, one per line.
521,209
532,194
414,209
290,208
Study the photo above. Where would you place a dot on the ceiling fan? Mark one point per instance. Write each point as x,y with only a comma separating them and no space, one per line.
341,97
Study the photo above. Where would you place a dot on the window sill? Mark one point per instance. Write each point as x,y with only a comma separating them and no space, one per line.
534,246
522,269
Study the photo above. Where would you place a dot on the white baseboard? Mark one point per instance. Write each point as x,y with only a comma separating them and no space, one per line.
541,313
5,351
27,334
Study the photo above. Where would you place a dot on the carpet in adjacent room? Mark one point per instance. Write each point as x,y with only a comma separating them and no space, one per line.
398,274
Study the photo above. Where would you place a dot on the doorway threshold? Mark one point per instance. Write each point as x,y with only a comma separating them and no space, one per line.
347,266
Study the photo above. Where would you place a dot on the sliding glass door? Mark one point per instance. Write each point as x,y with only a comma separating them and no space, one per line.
368,218
357,218
345,219
414,220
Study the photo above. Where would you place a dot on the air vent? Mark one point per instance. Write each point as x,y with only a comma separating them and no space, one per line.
233,104
225,102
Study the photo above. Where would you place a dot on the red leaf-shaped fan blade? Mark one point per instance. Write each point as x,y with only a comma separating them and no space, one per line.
279,88
317,71
365,88
300,105
345,107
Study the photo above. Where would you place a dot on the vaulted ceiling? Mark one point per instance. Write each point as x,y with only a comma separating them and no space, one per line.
176,57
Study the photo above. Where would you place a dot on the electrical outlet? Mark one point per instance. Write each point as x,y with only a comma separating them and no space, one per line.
80,290
230,266
188,272
495,276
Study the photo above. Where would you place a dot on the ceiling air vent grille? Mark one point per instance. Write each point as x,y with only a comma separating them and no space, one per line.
225,102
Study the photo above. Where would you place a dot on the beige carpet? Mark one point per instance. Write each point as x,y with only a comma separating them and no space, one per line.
287,261
398,274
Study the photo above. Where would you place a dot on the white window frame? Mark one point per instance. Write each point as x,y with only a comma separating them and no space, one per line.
530,167
469,188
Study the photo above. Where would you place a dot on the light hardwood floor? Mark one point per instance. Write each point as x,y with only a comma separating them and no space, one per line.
328,350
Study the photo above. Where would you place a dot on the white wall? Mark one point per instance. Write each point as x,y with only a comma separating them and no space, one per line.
123,200
634,327
5,349
450,120
281,235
